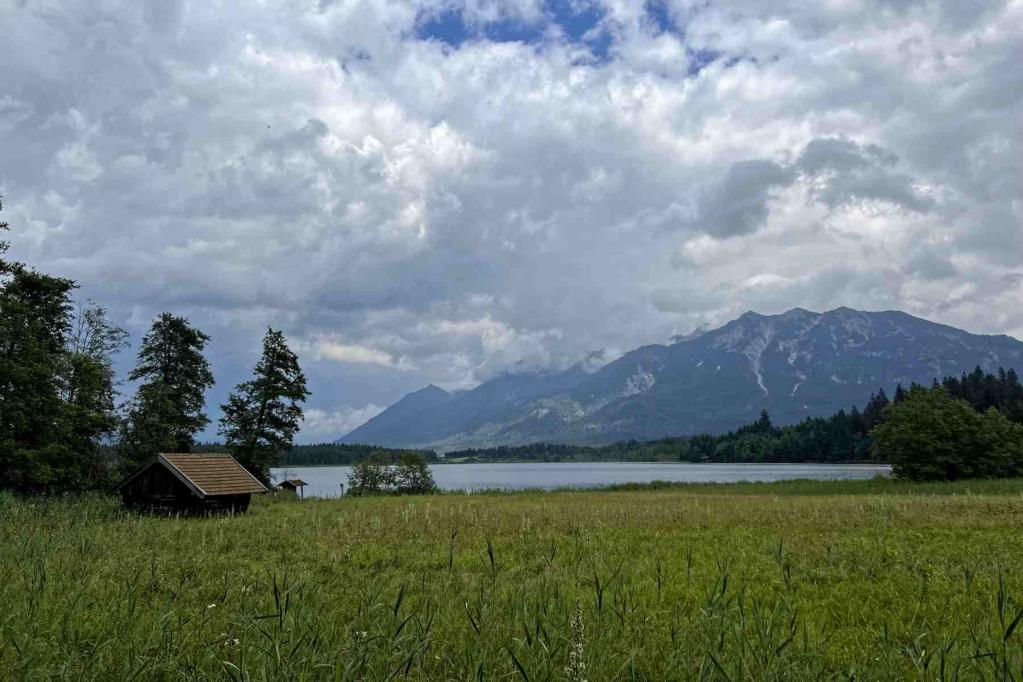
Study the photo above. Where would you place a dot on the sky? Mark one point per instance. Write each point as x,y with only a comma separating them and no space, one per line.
433,191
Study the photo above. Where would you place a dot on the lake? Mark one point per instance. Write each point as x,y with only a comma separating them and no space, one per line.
325,481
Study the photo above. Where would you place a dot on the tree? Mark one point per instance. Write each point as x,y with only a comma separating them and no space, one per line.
412,475
930,436
1001,443
167,410
34,321
34,311
371,476
4,265
87,390
378,474
262,415
874,410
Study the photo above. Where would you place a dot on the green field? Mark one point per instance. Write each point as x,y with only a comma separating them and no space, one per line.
867,580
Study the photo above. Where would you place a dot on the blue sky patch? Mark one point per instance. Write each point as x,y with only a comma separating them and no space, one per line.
657,14
574,20
700,59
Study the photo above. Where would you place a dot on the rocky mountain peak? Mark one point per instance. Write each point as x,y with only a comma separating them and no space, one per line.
796,364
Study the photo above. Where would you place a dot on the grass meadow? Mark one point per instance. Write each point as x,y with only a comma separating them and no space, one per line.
859,580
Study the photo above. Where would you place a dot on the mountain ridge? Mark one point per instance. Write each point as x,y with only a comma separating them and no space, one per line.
795,364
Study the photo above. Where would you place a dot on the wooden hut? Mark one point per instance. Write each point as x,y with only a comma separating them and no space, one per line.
190,483
294,485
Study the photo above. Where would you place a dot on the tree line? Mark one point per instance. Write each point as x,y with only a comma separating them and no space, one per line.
960,427
61,428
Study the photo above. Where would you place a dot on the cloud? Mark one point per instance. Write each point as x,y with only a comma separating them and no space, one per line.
411,209
341,352
329,425
738,204
842,172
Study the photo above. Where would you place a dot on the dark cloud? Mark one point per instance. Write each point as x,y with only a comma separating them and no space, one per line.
844,171
410,211
738,204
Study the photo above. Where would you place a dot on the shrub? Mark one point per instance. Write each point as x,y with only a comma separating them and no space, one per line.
377,476
931,436
412,476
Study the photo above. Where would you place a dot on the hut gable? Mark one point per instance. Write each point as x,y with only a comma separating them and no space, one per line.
190,482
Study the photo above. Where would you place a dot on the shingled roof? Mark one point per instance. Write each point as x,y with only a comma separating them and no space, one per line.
208,475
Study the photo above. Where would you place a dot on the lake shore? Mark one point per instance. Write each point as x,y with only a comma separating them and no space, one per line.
330,481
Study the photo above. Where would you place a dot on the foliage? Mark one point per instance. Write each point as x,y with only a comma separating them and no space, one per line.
839,438
657,585
412,475
5,266
88,393
56,384
931,448
379,475
985,391
262,415
167,410
929,435
371,476
34,323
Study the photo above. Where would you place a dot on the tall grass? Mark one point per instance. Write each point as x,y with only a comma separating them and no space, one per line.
670,583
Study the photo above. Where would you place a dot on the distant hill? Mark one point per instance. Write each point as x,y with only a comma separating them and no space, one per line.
794,365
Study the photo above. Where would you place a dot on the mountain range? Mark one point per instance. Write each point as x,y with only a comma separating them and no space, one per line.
794,365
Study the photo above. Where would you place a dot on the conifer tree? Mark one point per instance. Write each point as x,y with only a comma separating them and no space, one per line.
874,410
34,321
4,267
167,410
262,415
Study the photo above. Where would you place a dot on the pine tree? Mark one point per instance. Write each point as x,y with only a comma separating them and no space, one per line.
34,322
262,415
4,265
167,410
874,410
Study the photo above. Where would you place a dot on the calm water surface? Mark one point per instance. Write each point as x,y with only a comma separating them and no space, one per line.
326,481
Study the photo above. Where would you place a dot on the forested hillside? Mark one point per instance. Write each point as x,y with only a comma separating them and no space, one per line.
843,437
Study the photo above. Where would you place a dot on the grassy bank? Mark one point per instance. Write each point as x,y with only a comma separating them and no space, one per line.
796,580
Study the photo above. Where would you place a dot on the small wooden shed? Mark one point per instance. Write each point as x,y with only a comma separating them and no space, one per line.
294,485
190,483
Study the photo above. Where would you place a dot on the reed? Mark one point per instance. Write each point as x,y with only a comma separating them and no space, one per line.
783,582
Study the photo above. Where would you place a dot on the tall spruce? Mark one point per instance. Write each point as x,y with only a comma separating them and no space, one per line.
4,245
35,312
34,320
262,415
167,410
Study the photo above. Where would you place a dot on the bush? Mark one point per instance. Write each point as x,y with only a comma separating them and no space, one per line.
412,476
931,436
377,476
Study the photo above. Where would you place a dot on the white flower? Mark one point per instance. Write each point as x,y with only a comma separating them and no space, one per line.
212,606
